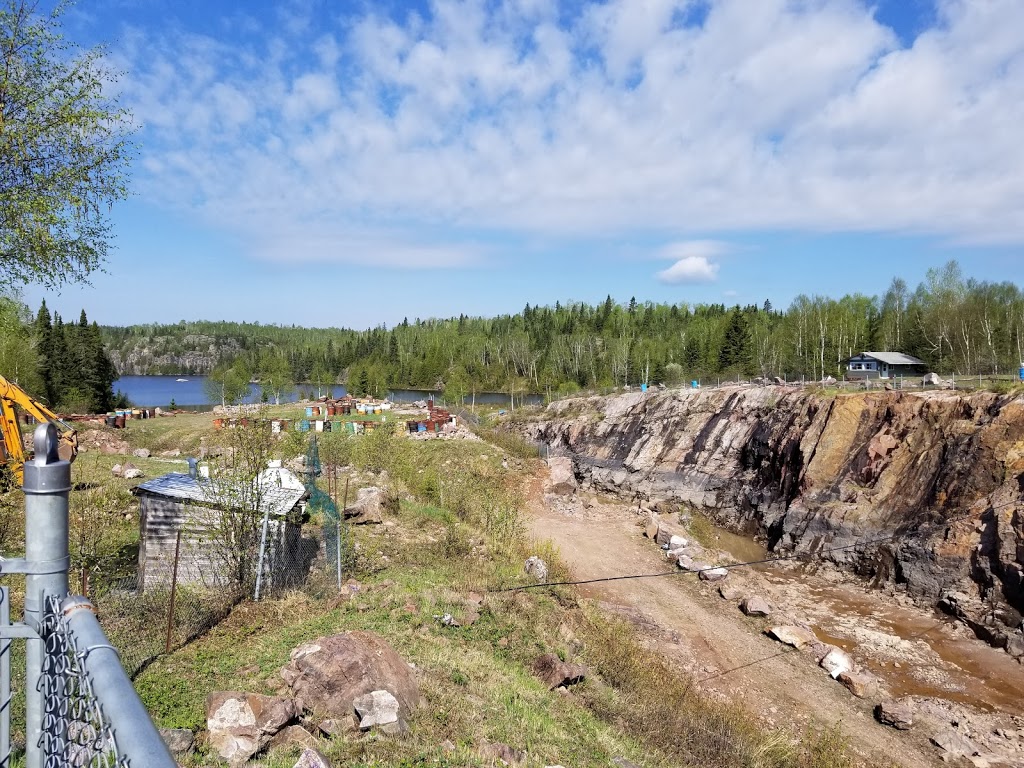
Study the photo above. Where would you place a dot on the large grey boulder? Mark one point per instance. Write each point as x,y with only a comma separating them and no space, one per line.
330,673
561,476
367,508
240,724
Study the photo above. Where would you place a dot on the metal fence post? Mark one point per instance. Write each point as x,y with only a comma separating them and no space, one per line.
47,486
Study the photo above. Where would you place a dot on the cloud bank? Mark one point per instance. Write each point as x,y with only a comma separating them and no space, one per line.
416,135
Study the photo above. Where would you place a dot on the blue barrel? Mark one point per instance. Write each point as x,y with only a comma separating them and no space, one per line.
643,387
1022,373
304,425
309,411
421,427
694,384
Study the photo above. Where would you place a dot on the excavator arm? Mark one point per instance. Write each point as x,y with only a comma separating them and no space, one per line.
13,451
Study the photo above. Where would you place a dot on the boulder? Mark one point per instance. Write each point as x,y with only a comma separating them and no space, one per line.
178,740
561,476
142,453
685,562
858,683
537,568
677,542
729,593
130,472
713,574
376,708
117,470
836,662
931,380
291,736
954,744
898,714
240,724
556,673
755,606
367,507
665,533
330,673
792,635
312,758
171,454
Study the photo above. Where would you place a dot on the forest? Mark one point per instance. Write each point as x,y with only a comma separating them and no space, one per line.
65,365
957,324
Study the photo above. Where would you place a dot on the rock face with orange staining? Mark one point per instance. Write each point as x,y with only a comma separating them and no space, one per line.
922,491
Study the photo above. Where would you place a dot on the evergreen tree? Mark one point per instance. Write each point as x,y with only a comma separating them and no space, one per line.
735,352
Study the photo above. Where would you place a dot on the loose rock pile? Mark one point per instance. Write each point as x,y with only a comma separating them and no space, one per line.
353,682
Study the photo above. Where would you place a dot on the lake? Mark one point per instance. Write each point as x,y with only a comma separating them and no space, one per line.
158,391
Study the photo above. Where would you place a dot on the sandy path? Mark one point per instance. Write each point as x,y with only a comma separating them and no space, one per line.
706,635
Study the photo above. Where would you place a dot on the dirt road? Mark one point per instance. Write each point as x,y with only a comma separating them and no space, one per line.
728,653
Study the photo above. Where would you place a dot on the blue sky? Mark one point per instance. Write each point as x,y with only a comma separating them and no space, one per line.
336,163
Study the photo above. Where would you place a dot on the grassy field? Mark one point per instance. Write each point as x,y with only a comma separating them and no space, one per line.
457,536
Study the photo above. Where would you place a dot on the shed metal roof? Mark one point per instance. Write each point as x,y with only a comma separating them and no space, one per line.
893,358
280,490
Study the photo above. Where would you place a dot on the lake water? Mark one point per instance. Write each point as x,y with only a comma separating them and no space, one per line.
158,391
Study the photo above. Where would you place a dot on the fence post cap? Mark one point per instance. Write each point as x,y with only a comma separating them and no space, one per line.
46,472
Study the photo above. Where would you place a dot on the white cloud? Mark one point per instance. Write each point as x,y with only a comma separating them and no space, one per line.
501,118
690,269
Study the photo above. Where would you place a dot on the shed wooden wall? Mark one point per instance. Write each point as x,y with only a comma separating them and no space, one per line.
161,518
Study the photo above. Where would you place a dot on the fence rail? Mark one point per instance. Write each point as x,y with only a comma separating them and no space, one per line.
80,707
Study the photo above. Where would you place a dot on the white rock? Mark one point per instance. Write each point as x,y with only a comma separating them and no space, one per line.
376,708
836,662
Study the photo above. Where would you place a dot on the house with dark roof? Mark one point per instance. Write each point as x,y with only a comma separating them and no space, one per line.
180,519
884,365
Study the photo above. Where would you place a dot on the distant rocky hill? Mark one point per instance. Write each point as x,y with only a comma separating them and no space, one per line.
193,354
921,491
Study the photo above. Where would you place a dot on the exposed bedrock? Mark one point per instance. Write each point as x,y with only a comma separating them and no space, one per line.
929,486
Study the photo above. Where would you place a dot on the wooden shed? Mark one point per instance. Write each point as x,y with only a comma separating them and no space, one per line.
189,505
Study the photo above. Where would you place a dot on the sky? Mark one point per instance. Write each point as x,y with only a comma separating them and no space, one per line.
354,163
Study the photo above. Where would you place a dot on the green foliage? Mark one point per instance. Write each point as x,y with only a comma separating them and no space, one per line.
228,383
63,150
954,324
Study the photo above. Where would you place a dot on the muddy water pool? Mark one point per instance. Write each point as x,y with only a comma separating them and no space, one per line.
913,650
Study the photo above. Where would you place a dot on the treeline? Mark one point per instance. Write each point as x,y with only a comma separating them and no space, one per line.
956,324
64,365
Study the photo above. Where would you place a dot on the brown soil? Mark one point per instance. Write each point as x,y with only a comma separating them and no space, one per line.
728,654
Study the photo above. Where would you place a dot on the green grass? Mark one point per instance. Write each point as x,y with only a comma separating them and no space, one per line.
458,529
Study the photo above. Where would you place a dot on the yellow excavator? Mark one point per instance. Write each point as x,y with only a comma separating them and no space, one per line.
12,449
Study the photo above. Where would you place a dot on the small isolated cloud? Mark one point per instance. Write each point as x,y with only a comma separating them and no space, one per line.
692,269
693,261
730,294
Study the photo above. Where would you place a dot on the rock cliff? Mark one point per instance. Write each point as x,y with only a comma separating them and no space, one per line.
915,491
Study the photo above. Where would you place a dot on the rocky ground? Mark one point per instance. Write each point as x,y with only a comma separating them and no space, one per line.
916,491
929,673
